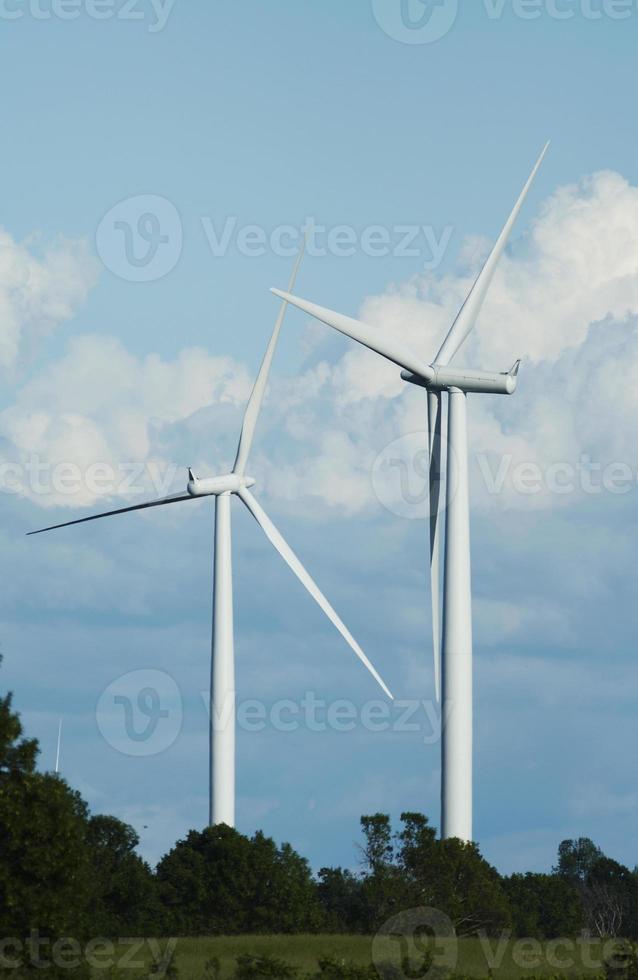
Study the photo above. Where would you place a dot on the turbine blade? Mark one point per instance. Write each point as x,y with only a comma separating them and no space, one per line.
57,753
253,408
434,446
466,319
364,334
123,510
304,577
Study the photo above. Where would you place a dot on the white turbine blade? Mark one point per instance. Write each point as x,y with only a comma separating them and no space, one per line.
123,510
434,446
57,753
465,321
253,408
304,577
364,334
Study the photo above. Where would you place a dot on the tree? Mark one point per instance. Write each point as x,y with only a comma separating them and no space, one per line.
218,882
610,899
44,861
544,906
64,875
341,899
383,891
17,754
124,892
576,858
377,850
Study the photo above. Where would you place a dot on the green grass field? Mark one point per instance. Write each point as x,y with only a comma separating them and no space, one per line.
509,959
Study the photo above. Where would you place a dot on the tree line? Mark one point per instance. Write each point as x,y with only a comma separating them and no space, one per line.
65,872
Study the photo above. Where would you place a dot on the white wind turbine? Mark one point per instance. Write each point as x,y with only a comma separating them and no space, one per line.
452,654
57,751
223,488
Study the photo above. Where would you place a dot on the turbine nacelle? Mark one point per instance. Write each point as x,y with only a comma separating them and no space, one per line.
217,485
484,382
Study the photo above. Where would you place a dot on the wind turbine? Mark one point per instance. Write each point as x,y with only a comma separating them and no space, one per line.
452,654
223,489
57,751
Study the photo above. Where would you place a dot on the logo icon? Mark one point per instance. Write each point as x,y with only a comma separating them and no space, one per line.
140,239
401,478
416,943
140,713
416,21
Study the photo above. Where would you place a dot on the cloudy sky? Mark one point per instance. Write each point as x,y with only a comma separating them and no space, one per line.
160,159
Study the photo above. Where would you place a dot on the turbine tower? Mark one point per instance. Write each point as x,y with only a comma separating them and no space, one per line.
223,489
57,751
452,652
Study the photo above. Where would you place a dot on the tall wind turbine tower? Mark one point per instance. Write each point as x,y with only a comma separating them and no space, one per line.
452,644
57,751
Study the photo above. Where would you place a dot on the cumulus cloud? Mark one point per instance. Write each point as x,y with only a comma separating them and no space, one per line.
94,423
565,296
37,294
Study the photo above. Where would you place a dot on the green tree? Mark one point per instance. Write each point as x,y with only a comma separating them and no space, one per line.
451,876
383,889
576,858
125,901
544,906
45,879
18,755
219,882
610,899
340,894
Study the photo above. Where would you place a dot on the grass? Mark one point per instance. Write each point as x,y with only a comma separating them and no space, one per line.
508,959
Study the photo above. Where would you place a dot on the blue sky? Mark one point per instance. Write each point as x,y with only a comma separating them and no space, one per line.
264,115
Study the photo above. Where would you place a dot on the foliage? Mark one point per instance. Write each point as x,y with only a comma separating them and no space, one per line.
576,858
219,882
263,968
340,896
67,873
544,906
608,891
124,893
415,868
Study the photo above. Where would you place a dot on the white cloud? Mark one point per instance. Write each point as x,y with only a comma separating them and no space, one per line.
566,295
87,423
37,294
